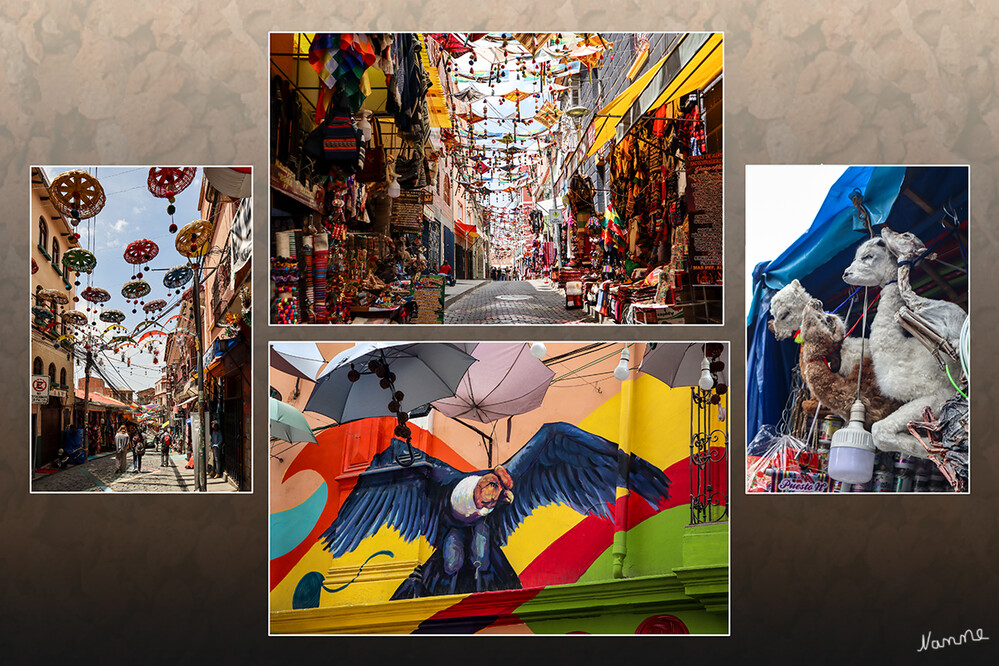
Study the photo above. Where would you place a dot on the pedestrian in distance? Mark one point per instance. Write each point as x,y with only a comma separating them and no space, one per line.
216,450
121,445
138,448
165,448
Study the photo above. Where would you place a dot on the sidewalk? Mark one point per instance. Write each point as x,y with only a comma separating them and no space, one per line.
461,288
100,474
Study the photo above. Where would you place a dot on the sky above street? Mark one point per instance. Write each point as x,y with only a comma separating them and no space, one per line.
781,203
131,213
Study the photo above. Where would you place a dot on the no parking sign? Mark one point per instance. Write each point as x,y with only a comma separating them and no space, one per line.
39,390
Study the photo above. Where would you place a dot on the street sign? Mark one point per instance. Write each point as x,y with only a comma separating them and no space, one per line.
39,390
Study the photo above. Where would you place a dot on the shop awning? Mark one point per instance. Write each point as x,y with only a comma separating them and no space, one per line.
186,402
467,230
699,70
609,116
100,399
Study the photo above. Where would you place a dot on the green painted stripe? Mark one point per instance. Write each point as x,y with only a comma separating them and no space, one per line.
103,486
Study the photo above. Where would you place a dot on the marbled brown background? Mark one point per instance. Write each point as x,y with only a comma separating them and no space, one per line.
819,579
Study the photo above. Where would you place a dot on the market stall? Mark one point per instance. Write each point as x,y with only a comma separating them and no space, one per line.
351,164
654,255
810,324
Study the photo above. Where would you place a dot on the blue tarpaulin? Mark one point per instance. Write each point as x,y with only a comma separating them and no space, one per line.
912,199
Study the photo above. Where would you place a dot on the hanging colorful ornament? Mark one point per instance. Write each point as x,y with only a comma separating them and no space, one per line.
115,316
42,313
194,239
79,260
74,318
167,183
95,295
153,306
134,289
53,295
141,251
77,195
178,276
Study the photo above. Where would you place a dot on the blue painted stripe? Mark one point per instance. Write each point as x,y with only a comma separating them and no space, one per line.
289,528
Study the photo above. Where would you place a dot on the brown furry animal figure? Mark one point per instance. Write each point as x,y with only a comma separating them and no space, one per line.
822,333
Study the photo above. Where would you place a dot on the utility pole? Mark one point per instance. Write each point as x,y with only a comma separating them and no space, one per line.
86,405
200,458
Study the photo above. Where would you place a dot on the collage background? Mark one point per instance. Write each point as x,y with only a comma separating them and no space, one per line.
832,578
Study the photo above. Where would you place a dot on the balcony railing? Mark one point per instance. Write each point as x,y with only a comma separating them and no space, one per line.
708,461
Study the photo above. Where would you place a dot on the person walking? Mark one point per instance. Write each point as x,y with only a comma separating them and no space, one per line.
165,448
121,444
216,450
138,448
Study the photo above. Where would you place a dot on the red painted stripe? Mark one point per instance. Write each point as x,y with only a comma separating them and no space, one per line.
620,509
569,556
499,603
327,459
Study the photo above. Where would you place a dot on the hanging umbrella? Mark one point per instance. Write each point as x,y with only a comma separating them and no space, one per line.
676,363
423,372
289,424
300,359
505,382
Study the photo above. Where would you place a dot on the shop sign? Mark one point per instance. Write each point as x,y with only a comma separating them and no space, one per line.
39,389
407,212
59,393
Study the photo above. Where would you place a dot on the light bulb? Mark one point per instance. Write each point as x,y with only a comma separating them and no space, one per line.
706,382
621,371
393,189
851,451
538,350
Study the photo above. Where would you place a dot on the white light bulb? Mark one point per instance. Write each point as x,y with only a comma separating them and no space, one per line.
706,382
851,451
538,350
621,371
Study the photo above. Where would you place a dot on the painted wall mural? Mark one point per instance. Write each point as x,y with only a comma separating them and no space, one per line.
477,549
467,517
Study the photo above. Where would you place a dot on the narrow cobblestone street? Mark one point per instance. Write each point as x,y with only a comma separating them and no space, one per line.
514,302
101,474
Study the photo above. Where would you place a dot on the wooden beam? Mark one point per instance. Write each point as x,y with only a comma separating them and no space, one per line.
919,201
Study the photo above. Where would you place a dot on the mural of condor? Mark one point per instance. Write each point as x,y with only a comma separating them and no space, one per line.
468,516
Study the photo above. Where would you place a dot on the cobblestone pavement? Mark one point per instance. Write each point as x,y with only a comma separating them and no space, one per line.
514,302
101,475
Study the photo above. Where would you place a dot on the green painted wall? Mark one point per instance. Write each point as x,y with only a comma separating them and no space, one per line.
658,545
655,546
698,622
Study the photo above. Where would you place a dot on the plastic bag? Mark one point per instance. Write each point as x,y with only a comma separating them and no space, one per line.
771,450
